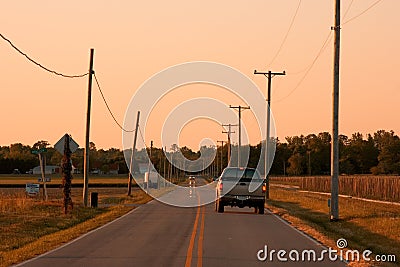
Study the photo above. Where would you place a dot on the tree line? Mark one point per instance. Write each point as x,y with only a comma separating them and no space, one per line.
377,153
19,156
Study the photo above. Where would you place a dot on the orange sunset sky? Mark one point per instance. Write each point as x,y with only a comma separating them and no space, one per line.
134,40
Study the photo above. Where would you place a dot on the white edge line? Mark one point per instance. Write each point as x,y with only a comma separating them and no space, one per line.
340,195
356,198
79,237
297,230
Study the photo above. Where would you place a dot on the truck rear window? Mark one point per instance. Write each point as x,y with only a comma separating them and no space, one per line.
240,174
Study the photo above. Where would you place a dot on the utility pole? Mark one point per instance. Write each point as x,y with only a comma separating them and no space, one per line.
229,132
86,155
42,161
240,129
217,161
130,174
149,169
66,168
222,146
334,216
161,159
165,161
269,76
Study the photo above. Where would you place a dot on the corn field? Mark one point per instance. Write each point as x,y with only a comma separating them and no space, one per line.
385,188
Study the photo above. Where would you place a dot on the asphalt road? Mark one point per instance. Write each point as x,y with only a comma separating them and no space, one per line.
156,234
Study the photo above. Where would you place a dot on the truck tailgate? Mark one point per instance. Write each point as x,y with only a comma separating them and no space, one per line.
242,188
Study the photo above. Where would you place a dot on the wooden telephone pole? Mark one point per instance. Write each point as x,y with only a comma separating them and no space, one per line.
229,132
269,76
334,205
87,142
222,147
130,175
240,129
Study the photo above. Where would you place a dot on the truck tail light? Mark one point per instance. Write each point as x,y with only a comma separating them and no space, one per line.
221,186
264,188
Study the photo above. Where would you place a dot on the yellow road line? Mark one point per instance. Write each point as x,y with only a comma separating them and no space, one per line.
192,239
200,241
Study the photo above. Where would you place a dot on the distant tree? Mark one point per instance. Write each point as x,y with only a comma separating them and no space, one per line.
358,155
77,159
92,146
40,144
105,168
282,155
296,164
299,155
388,145
17,156
20,151
254,156
318,153
370,154
189,154
53,156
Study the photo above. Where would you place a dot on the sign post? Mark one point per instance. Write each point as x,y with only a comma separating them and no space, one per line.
59,146
42,162
32,189
66,146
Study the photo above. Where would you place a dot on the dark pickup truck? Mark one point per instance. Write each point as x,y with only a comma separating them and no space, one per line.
241,187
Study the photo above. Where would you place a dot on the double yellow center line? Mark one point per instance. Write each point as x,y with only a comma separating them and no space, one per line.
189,253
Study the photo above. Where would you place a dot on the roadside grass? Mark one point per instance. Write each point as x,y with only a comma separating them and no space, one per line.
364,225
284,180
377,187
30,226
8,179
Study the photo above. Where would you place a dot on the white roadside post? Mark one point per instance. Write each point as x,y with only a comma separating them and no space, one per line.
42,169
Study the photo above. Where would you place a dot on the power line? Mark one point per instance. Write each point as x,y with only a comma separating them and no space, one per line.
286,35
328,38
306,68
239,108
141,135
348,9
40,65
108,107
362,13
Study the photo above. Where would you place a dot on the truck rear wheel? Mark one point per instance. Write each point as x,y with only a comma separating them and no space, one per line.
219,206
261,209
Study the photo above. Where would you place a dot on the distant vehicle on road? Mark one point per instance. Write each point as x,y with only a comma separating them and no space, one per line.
233,189
16,171
192,181
95,171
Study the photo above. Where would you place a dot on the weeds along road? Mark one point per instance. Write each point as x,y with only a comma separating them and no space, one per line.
156,234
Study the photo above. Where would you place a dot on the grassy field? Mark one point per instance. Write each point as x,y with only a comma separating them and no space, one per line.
30,226
56,179
386,188
22,179
363,224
